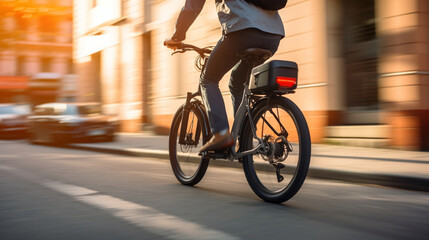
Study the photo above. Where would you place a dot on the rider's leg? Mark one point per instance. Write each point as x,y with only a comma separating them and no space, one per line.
237,81
219,63
221,60
258,39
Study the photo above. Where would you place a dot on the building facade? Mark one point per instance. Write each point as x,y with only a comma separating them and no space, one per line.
363,65
36,37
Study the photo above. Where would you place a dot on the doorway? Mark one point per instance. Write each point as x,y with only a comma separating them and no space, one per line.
361,61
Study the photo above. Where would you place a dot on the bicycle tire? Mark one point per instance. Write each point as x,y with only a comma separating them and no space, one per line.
259,173
195,166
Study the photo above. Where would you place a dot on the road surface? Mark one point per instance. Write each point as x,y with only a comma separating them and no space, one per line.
56,193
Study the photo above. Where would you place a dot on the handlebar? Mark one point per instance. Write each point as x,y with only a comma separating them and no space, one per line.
183,47
203,53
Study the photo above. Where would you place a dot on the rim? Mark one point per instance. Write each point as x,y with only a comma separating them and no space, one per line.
265,175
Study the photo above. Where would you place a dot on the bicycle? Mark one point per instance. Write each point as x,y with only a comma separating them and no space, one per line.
272,140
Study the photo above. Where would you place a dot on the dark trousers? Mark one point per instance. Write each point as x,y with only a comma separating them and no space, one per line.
222,59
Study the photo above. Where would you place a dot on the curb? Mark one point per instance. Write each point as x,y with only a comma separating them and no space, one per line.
387,180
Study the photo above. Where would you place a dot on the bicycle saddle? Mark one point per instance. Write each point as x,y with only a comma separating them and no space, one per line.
256,54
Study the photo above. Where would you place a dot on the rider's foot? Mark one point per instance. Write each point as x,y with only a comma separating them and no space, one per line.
218,142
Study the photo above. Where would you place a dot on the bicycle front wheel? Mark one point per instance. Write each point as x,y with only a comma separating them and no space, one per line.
278,173
187,166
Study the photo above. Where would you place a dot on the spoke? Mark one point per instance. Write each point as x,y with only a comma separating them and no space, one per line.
191,125
263,124
282,128
270,126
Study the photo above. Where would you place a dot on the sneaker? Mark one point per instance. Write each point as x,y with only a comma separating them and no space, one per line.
218,142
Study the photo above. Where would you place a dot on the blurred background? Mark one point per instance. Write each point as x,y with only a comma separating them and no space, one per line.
363,65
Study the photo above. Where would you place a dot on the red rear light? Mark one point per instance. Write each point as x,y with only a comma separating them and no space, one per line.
286,82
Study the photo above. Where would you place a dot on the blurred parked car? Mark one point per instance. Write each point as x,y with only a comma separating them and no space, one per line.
12,120
70,122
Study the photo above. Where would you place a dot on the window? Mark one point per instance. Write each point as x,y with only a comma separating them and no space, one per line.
22,24
48,23
48,27
70,66
20,66
90,109
7,110
45,64
44,110
51,109
71,110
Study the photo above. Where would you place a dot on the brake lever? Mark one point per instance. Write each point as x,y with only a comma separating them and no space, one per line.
175,52
183,50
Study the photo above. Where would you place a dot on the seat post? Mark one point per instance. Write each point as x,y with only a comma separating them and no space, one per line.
254,56
249,72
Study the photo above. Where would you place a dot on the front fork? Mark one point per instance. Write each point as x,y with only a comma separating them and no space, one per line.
185,136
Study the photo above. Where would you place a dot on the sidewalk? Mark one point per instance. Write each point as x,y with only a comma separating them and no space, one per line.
386,167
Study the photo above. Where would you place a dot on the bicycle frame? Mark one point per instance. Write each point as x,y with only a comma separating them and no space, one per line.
239,117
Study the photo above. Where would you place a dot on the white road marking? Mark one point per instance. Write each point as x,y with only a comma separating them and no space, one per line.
150,219
68,189
157,222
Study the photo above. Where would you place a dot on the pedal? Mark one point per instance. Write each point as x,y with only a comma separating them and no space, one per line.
224,154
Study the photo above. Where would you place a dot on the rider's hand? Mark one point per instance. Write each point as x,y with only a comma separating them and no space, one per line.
170,43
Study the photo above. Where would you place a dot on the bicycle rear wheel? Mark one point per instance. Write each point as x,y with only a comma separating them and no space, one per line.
278,174
188,167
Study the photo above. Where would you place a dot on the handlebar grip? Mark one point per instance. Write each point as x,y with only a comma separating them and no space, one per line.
184,45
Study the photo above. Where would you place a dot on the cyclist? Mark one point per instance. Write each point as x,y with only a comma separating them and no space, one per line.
244,26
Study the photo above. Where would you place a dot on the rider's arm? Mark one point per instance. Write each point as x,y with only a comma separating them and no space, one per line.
186,17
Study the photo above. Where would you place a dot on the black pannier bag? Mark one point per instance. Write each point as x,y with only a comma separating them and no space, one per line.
274,75
269,4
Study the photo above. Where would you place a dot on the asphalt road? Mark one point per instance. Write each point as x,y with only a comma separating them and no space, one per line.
57,193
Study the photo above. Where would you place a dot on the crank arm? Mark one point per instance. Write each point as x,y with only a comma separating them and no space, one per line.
253,151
